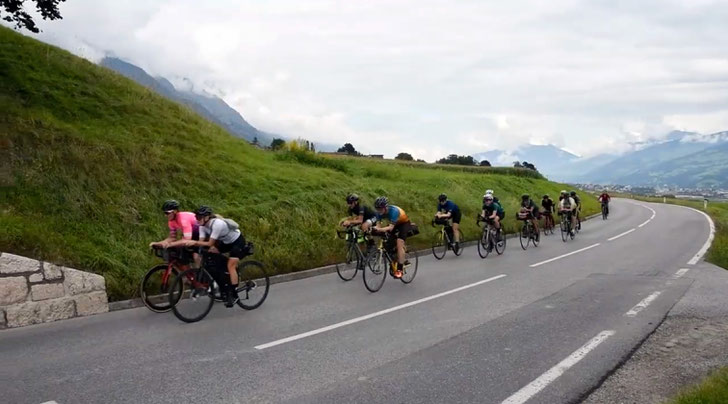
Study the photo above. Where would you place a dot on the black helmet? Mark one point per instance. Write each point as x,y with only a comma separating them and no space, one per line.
442,197
545,196
525,197
203,211
169,205
563,192
352,198
381,202
573,193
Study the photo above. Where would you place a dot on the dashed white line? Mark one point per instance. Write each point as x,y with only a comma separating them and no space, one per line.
49,402
680,273
621,234
524,394
564,255
372,315
641,305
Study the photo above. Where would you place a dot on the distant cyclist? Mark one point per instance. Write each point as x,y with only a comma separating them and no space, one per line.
567,208
221,236
492,212
529,211
549,208
604,198
578,208
399,225
361,214
447,209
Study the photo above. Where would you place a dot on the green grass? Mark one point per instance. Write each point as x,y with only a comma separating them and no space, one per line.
718,211
712,390
88,157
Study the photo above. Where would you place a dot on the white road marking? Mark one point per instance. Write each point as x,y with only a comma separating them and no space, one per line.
646,207
680,272
524,394
49,402
622,234
708,242
376,314
641,305
645,222
563,256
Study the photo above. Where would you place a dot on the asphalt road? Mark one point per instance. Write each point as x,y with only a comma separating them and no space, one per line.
516,328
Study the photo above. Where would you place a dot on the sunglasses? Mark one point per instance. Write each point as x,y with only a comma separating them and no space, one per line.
166,212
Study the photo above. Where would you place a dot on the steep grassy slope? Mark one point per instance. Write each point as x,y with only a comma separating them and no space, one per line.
88,156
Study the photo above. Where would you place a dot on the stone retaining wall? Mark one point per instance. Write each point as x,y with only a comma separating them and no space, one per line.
33,292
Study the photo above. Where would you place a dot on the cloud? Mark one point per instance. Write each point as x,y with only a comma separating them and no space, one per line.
431,77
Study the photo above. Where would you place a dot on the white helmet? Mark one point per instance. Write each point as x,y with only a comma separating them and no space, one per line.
489,192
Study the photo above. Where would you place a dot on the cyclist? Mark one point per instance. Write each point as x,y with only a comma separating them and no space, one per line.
548,209
604,198
178,222
567,207
399,225
447,209
361,214
529,211
490,192
221,236
492,212
578,208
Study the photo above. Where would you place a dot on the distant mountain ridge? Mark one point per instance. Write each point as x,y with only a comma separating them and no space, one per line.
207,105
550,160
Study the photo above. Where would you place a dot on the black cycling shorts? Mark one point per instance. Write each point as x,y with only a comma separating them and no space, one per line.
236,248
401,230
456,216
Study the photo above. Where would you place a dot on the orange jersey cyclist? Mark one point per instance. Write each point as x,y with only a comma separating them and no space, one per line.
399,225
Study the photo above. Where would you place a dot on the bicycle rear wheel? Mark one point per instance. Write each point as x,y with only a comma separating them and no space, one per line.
154,289
439,245
253,285
484,243
375,271
458,247
411,263
347,269
193,290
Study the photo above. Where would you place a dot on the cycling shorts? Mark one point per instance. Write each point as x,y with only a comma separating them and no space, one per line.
236,248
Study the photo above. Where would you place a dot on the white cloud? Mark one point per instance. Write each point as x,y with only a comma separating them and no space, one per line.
431,77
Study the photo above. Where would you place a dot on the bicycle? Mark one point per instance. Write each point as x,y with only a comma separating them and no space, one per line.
565,227
605,211
443,240
154,288
548,223
195,289
355,258
489,238
528,234
375,272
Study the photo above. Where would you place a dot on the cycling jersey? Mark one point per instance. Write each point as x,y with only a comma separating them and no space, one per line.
494,207
218,229
567,204
604,197
395,215
185,222
548,205
577,200
448,207
363,210
530,205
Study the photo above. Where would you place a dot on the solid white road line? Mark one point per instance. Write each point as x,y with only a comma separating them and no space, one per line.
376,314
524,394
681,272
49,402
645,222
708,242
622,234
563,256
641,305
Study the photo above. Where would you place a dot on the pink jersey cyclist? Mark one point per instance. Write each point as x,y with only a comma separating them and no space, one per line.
186,223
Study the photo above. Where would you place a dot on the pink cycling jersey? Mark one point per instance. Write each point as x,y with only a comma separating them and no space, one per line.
184,221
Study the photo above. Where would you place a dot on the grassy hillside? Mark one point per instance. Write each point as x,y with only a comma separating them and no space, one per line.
88,156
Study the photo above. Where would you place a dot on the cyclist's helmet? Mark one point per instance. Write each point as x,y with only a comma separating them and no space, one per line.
203,211
442,197
381,202
352,198
563,192
170,205
545,196
489,192
573,193
525,197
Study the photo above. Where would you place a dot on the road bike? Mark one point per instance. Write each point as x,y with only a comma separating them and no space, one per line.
382,260
195,290
490,238
443,240
548,223
155,285
528,234
605,211
565,225
355,259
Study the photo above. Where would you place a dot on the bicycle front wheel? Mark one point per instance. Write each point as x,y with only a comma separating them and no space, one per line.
439,245
155,287
410,267
347,269
484,244
253,285
194,291
524,237
375,271
564,230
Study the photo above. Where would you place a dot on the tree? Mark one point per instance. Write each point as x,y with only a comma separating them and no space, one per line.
517,164
349,149
528,165
485,163
404,156
459,160
13,11
277,144
421,161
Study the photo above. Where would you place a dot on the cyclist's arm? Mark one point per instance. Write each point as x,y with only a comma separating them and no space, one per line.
354,221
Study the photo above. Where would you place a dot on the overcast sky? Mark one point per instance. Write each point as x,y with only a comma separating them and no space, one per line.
431,77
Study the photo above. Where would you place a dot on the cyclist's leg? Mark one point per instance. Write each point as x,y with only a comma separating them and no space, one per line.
534,221
456,226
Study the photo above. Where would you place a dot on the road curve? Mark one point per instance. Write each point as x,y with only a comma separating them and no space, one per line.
539,326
